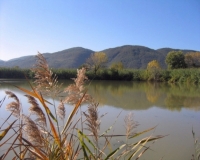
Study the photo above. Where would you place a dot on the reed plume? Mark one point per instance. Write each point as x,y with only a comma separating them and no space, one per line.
12,95
35,109
32,131
130,124
13,107
75,91
61,110
92,119
46,82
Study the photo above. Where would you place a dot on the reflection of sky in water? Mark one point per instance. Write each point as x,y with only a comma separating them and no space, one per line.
177,125
157,109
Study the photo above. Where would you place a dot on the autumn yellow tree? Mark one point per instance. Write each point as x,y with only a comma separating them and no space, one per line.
96,61
153,68
192,59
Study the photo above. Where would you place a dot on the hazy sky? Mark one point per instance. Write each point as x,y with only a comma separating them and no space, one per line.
29,26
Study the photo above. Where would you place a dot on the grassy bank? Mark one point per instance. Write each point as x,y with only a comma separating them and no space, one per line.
171,76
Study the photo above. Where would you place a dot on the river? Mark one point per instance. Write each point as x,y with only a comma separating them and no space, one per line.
173,109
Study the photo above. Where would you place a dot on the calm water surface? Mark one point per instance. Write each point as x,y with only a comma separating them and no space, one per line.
174,109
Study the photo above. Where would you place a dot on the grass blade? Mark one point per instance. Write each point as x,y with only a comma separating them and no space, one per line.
55,134
72,113
84,136
40,98
144,141
84,146
1,101
3,134
115,151
151,139
36,150
138,134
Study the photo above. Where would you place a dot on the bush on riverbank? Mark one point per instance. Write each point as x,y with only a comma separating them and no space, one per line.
191,75
15,73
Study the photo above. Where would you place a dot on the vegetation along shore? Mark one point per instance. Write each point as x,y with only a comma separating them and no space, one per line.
182,68
38,135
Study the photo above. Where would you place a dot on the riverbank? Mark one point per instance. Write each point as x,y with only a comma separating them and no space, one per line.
172,76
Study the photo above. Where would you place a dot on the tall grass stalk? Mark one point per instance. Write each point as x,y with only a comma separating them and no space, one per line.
39,135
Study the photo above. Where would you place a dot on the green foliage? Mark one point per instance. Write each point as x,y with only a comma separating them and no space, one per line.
116,66
65,73
15,73
184,76
191,75
175,60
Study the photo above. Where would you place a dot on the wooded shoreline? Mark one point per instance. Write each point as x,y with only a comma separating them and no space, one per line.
186,75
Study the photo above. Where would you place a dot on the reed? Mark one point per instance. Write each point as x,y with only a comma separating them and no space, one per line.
39,136
196,155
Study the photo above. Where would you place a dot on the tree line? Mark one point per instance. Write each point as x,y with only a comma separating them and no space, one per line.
181,68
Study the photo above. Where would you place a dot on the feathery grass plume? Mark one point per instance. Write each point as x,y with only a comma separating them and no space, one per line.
93,121
32,131
35,109
12,95
46,82
75,91
61,110
14,106
130,124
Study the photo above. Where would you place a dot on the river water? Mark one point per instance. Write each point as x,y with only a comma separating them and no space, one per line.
173,109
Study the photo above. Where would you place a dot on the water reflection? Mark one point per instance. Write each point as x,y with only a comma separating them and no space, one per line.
142,95
152,104
133,95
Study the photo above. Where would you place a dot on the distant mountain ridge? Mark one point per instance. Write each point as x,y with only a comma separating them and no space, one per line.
132,56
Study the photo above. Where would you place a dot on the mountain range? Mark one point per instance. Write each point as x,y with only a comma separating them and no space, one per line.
132,56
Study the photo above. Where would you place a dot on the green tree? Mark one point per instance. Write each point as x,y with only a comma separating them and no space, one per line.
116,66
96,61
153,69
175,59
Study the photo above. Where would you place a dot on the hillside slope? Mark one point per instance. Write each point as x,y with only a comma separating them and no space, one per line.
131,56
134,56
69,58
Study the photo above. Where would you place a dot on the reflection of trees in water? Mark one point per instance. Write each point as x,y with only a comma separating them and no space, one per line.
152,92
187,90
177,102
182,95
134,95
126,95
174,102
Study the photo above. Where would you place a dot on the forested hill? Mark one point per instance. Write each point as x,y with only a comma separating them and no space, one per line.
131,57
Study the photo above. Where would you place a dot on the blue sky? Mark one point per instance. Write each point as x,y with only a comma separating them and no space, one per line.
29,26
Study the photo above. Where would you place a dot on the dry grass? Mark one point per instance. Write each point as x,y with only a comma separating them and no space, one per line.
45,81
75,91
130,125
93,121
61,110
35,109
14,106
39,136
